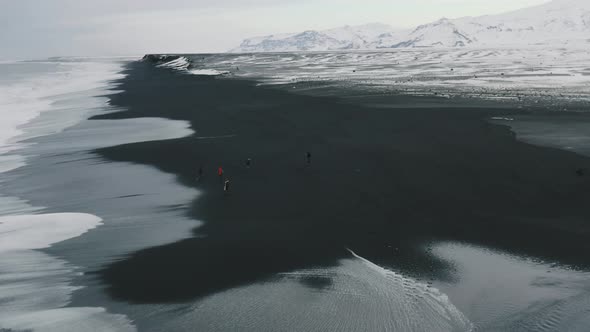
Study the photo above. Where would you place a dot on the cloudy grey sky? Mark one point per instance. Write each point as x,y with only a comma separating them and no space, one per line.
40,28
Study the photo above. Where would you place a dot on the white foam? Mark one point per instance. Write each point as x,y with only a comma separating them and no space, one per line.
433,305
70,319
24,100
500,291
34,286
103,133
65,89
355,295
42,230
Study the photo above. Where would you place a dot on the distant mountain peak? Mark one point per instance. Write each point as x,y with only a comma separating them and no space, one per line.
346,37
556,23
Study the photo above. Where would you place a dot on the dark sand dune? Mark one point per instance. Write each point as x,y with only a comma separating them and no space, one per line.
381,180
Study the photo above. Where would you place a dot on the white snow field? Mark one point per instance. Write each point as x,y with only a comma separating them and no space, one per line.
555,77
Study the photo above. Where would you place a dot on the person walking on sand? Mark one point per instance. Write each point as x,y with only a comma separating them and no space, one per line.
226,186
200,173
220,173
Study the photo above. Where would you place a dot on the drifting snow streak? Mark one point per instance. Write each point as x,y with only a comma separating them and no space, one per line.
180,63
207,72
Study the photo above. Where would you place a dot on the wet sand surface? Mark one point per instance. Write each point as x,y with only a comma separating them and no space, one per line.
382,181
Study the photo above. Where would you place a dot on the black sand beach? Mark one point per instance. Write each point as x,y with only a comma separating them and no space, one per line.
382,181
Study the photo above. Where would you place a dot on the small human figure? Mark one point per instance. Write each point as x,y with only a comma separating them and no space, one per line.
308,157
220,173
226,186
248,162
200,173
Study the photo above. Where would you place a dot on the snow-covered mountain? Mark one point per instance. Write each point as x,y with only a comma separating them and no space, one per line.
347,37
442,33
556,23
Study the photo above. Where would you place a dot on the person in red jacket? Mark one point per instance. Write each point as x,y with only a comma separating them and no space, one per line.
220,173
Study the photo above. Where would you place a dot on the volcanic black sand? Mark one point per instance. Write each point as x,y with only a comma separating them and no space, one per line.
380,181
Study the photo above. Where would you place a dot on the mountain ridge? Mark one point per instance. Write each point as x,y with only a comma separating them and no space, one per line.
555,23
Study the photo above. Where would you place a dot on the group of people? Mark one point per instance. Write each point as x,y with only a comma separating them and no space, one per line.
227,182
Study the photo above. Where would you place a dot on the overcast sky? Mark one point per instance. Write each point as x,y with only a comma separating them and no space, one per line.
40,28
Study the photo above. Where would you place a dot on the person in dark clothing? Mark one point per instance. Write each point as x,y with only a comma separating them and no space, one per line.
308,157
248,162
226,186
200,173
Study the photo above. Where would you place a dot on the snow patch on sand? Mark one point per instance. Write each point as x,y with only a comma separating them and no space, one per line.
207,72
526,76
181,63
